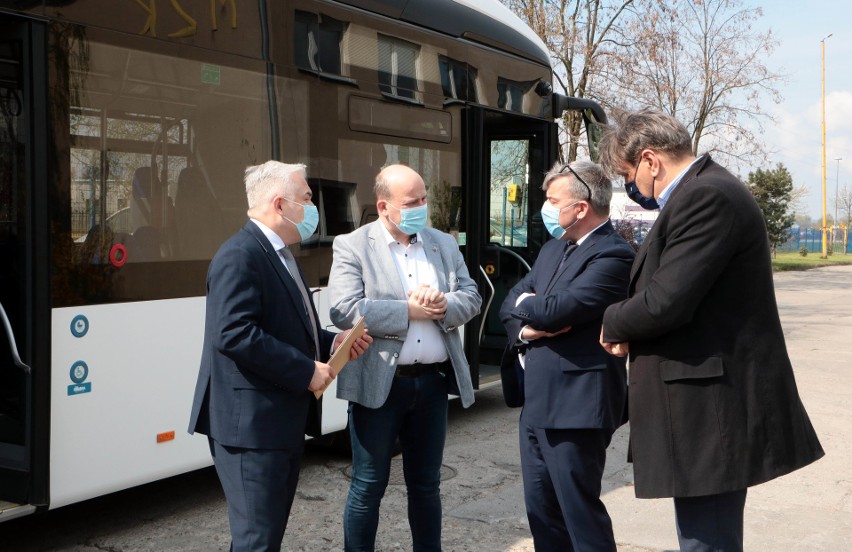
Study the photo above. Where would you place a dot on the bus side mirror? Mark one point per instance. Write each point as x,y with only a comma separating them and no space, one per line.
593,117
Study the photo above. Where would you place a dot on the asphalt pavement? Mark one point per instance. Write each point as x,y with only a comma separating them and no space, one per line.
808,510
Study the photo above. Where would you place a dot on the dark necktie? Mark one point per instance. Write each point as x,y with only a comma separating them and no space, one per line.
568,250
287,255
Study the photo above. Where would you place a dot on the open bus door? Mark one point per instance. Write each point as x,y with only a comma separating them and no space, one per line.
506,157
22,163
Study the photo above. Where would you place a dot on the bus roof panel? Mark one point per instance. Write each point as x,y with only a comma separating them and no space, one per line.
485,21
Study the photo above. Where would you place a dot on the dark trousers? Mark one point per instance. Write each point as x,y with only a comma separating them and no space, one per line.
712,523
259,486
562,471
416,412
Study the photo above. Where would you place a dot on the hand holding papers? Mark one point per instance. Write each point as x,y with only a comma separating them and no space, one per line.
344,350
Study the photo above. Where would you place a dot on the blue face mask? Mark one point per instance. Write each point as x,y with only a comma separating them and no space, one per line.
309,222
550,218
411,220
648,203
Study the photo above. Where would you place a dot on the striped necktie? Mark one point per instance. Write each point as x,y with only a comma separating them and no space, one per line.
290,261
568,250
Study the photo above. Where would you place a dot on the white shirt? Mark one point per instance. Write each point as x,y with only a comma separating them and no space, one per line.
276,241
587,234
424,344
278,244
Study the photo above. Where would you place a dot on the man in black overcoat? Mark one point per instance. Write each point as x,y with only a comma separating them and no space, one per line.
713,403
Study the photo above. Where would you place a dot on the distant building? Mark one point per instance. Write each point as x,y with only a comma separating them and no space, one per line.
623,208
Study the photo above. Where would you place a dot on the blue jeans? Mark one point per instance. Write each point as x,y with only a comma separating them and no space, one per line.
416,412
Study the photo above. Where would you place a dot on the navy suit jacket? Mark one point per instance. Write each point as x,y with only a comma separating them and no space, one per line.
570,382
258,355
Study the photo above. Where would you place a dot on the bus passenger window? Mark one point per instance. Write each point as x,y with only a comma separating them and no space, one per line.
458,79
146,217
337,207
316,42
200,227
398,67
96,245
510,94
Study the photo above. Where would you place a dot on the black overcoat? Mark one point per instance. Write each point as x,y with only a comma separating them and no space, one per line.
713,402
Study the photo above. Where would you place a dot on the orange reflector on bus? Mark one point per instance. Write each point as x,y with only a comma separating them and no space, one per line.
167,436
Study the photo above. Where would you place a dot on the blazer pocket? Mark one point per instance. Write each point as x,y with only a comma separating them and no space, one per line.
581,363
699,368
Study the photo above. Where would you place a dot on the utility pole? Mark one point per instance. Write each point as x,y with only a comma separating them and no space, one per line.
824,222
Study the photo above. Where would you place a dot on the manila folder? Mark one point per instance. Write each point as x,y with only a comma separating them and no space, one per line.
341,355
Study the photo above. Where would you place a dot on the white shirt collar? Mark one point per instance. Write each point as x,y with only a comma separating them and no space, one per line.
276,241
389,239
581,240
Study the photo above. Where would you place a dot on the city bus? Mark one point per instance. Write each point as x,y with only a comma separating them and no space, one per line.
126,128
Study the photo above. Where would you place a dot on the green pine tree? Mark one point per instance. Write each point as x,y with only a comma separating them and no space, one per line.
772,189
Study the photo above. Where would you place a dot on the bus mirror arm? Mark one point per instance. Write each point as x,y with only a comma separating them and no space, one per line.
487,303
591,110
7,327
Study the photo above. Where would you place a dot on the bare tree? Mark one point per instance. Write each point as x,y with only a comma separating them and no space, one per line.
583,37
707,68
702,61
797,200
844,206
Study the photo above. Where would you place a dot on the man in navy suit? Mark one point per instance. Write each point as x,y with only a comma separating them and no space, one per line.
263,357
573,391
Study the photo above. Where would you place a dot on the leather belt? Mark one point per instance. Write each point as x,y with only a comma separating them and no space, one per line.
414,370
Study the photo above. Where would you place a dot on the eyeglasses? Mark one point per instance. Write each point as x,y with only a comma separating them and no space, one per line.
579,179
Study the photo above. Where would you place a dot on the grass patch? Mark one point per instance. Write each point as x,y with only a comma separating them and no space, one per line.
791,260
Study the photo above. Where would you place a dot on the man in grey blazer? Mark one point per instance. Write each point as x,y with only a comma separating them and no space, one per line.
413,288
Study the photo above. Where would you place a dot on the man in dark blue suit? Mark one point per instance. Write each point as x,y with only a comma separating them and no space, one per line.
573,392
262,358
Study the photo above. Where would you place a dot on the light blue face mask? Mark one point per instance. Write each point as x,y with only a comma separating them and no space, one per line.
309,222
550,218
411,220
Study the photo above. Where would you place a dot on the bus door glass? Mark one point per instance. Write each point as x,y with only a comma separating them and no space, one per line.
15,271
508,157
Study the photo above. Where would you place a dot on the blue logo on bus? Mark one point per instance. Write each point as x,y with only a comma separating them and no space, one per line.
79,372
79,326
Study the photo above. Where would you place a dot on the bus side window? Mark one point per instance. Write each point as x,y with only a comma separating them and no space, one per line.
146,217
95,247
200,226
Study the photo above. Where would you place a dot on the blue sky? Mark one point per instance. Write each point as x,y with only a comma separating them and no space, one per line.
795,136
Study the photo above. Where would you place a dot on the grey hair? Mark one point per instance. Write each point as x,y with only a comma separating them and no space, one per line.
265,181
592,174
623,140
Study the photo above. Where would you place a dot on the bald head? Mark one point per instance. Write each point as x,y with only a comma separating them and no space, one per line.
393,177
398,188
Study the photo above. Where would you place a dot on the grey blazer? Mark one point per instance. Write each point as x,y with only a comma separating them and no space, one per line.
364,281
